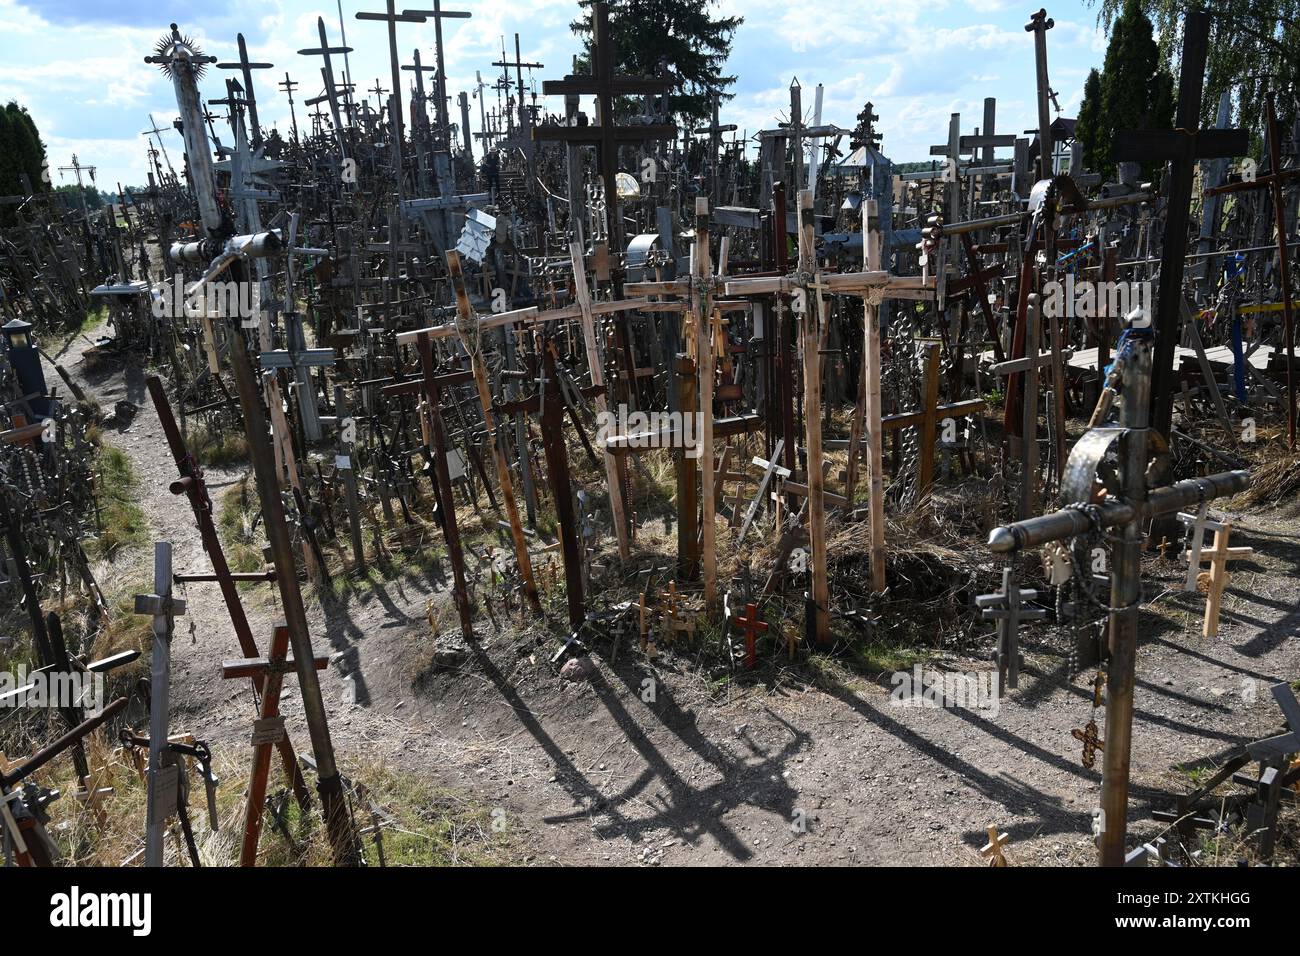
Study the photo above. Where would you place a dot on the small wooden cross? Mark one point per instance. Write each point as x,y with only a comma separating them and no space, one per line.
752,627
993,849
1219,555
1091,742
670,606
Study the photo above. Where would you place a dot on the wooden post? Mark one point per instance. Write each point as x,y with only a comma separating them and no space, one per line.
811,335
466,324
162,779
443,477
333,806
872,408
688,557
344,464
557,465
613,479
703,315
930,415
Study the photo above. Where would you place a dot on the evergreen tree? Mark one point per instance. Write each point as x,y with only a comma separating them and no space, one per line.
1087,128
679,33
1133,92
28,150
1253,48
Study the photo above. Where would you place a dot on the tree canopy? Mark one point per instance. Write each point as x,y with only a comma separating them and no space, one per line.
1254,47
1132,91
682,34
21,151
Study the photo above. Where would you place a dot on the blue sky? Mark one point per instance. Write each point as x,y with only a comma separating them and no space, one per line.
78,65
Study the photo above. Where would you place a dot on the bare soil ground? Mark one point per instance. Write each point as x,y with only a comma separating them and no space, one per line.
723,771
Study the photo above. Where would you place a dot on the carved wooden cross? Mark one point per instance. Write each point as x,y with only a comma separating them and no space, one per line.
993,849
1091,742
1219,555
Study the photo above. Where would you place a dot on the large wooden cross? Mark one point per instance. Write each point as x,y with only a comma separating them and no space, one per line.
1181,146
246,69
604,84
438,14
327,74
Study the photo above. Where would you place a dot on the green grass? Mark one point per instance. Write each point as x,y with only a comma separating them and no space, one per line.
239,508
122,523
219,449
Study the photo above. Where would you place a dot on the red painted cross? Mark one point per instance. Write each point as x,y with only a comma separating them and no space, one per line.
752,626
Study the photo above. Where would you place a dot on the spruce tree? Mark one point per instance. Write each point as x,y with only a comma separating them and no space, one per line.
1087,128
679,33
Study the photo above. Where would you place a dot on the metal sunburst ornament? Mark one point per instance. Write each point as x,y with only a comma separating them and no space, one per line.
174,48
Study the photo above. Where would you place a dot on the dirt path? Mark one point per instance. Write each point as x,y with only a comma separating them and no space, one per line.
607,772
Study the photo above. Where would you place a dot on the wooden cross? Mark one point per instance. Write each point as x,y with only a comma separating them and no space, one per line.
437,14
467,325
1008,609
1181,146
770,469
268,729
1091,742
327,73
163,607
1029,366
246,69
301,360
392,18
752,627
993,849
605,85
1219,555
345,466
671,621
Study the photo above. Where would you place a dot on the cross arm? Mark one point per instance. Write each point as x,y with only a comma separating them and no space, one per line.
1157,145
594,134
258,666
